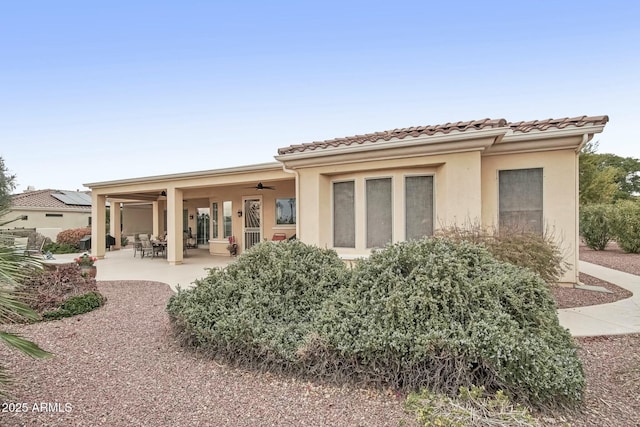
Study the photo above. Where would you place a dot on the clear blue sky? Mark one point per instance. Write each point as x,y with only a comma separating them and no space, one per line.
102,90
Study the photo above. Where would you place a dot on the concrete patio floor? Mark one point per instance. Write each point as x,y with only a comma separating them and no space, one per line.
620,317
122,265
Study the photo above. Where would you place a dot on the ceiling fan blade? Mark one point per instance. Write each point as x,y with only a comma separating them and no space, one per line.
262,187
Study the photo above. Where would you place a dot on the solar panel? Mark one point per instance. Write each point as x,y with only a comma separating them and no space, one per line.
74,198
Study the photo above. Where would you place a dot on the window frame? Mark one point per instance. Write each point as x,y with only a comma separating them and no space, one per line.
432,175
366,208
294,213
333,213
215,222
542,181
224,230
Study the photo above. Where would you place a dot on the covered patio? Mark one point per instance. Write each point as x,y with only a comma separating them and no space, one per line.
121,265
245,204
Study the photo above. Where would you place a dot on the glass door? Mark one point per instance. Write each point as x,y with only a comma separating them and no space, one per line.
203,226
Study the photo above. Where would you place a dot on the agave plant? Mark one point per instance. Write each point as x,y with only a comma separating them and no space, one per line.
14,265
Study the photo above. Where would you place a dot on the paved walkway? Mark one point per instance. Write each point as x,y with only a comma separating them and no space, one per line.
620,317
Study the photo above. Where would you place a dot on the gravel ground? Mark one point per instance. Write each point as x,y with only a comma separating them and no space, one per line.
612,364
120,366
570,297
612,257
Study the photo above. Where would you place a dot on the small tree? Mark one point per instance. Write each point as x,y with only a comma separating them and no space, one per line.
626,225
7,185
596,227
605,178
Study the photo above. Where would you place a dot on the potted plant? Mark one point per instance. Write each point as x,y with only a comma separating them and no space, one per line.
232,247
86,264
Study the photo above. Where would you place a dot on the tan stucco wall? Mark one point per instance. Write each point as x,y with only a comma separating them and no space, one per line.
37,218
456,191
560,195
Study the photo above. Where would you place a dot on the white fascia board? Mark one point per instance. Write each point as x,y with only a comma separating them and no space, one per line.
188,175
512,136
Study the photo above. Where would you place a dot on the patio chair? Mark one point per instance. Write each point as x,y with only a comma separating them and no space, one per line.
278,237
38,250
137,245
146,248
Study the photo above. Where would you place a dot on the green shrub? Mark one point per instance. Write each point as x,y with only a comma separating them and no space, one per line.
60,248
539,253
596,225
441,314
431,313
78,304
259,310
472,407
48,289
626,225
72,236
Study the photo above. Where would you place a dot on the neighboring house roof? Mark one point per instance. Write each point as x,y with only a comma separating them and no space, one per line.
52,199
447,128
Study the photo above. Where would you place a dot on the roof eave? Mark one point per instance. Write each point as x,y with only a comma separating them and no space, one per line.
570,138
512,136
187,175
379,145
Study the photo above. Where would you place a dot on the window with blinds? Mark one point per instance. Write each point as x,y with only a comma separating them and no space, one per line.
520,200
379,212
418,206
344,215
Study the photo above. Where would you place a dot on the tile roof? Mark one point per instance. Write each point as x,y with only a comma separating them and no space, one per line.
42,199
445,129
543,125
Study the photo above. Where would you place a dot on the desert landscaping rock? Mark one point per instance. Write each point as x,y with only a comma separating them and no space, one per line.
120,366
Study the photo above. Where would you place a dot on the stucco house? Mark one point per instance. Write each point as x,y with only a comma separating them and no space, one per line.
358,193
51,211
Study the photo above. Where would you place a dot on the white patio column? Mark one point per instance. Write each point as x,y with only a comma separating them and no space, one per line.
174,226
114,226
156,218
98,224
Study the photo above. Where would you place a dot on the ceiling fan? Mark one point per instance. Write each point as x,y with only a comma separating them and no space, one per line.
262,187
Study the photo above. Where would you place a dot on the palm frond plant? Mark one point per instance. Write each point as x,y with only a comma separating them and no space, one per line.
14,266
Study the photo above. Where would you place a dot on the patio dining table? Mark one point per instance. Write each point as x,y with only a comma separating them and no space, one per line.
159,246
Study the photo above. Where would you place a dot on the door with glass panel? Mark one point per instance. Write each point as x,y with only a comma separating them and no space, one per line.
252,222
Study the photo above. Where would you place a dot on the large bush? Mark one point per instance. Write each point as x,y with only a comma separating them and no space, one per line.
445,314
259,310
431,313
72,236
626,225
596,228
